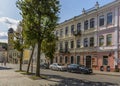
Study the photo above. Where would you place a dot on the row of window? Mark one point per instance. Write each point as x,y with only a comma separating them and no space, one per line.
78,45
90,22
108,40
90,43
66,60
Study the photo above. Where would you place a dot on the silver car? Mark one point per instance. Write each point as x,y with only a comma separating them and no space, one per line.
56,66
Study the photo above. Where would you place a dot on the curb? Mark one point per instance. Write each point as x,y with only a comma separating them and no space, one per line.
107,74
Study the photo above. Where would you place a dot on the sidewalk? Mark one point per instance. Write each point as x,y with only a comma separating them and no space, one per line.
8,77
106,73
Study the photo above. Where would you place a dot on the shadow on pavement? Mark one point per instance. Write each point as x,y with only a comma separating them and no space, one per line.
63,81
4,68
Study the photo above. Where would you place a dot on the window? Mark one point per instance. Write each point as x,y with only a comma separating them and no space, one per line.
72,29
78,43
60,59
66,46
109,39
86,25
56,60
91,41
66,59
86,42
72,59
101,20
61,32
105,60
78,27
72,44
92,23
61,46
101,40
66,31
109,18
78,59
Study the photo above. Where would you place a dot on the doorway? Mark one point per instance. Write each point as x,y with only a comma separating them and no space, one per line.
88,61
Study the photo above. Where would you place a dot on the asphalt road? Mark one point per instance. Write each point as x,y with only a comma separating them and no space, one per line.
73,79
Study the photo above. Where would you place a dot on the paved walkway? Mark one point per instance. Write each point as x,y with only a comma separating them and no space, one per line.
10,78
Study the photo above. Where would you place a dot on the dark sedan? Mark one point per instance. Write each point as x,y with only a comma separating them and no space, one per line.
79,69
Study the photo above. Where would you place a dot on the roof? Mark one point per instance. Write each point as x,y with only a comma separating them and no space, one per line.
91,10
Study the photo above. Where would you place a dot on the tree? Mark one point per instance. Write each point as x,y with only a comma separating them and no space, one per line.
18,45
48,47
39,19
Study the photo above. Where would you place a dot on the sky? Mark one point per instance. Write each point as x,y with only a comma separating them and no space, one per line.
10,14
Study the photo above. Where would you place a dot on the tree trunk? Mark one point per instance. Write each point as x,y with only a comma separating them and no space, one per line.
38,59
30,59
21,60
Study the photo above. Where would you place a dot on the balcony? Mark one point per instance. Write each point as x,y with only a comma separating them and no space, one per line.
64,51
77,33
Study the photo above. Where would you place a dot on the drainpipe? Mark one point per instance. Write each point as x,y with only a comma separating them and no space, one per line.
118,37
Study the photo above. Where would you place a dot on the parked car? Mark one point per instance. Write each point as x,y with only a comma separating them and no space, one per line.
44,66
79,69
56,66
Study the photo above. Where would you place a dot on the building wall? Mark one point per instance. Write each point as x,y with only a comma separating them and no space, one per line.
96,52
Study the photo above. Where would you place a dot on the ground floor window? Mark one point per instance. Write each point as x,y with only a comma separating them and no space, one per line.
105,60
56,60
66,59
72,59
60,59
78,59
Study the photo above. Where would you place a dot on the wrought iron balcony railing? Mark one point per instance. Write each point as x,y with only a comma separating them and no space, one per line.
77,33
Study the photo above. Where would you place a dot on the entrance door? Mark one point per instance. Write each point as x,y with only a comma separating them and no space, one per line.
78,59
88,61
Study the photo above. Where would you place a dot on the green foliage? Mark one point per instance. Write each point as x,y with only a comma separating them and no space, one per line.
48,46
39,20
17,45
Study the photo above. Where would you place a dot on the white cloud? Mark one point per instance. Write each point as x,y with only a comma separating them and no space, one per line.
3,37
10,22
3,34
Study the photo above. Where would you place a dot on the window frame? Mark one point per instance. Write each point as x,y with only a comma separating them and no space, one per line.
66,30
100,42
72,29
107,40
78,27
91,41
109,17
78,43
72,44
86,25
92,22
105,59
101,20
85,42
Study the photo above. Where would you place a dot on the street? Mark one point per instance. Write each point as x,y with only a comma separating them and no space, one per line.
73,79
